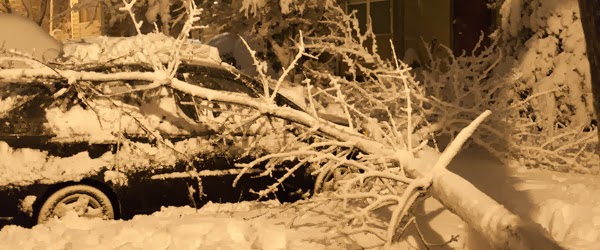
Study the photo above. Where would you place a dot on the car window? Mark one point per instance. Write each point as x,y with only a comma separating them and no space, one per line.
213,112
223,80
157,107
22,108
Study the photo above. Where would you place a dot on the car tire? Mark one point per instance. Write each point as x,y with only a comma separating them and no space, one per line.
86,201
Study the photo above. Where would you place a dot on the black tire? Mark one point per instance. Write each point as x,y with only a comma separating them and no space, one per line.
86,200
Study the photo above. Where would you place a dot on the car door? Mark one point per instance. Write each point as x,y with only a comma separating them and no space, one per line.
149,189
158,171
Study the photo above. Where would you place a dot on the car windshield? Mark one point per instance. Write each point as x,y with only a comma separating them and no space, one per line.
223,80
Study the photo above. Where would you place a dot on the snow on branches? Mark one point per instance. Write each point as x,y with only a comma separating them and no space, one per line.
378,158
535,78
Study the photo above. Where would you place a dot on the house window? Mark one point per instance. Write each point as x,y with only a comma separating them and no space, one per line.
89,14
381,12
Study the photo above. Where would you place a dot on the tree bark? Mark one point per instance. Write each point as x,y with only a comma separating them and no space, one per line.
590,19
27,6
501,228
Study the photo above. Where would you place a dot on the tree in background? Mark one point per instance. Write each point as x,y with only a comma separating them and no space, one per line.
590,19
536,79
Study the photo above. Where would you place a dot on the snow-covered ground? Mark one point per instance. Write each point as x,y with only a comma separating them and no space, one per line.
565,204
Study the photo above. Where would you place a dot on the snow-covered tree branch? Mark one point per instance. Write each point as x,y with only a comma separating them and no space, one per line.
382,158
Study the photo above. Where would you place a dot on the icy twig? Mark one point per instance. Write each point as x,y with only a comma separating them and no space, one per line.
261,68
128,8
292,65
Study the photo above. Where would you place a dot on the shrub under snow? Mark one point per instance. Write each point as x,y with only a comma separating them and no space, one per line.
535,78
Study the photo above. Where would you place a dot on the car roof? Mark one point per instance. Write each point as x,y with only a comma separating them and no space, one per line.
228,71
138,49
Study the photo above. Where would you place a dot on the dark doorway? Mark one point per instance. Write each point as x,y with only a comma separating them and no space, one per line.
470,17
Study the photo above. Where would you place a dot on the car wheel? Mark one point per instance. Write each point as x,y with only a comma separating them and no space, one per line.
327,180
86,201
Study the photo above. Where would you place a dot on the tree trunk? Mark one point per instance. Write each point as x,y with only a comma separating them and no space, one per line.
501,228
590,19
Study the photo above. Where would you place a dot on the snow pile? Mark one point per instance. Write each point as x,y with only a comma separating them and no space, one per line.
171,228
565,222
568,207
550,51
23,35
27,166
132,50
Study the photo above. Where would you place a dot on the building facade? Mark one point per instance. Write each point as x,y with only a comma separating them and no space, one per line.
72,20
456,24
410,24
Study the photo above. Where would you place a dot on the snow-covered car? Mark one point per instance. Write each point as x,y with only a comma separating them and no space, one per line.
109,150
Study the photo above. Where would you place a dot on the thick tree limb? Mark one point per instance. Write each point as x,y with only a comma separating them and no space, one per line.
590,20
501,228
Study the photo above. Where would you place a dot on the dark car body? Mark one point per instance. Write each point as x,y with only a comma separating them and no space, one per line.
147,189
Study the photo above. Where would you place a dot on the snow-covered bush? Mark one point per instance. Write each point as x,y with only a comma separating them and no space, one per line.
545,47
23,35
535,79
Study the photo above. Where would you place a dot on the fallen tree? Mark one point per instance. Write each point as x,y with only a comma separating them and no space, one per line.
498,225
390,170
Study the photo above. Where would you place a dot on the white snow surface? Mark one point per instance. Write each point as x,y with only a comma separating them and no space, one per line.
565,204
21,34
141,48
212,227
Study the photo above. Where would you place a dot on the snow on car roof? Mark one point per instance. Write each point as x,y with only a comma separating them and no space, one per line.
137,49
23,35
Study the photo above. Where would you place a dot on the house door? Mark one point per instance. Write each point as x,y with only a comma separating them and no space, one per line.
470,17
